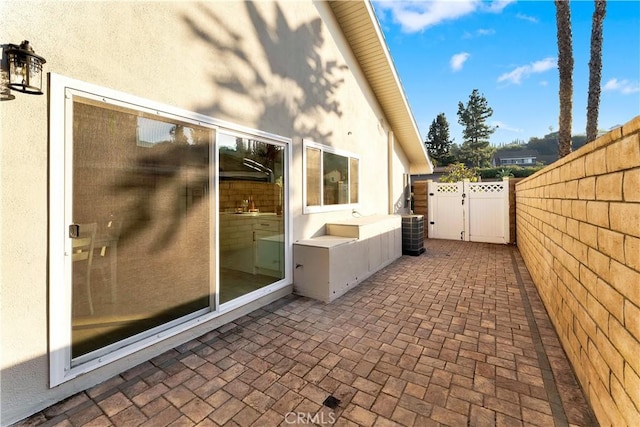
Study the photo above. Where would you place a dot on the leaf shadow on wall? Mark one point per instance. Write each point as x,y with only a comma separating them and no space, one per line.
308,85
291,98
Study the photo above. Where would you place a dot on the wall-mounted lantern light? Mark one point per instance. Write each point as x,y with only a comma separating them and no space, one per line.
24,69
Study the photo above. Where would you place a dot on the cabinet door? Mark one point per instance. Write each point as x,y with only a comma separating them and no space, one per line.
342,268
268,251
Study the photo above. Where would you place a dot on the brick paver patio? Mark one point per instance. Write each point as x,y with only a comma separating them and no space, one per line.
454,337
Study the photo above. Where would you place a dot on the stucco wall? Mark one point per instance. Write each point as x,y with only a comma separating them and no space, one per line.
400,184
578,229
280,68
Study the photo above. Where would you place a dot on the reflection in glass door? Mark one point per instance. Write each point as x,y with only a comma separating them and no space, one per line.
141,232
251,212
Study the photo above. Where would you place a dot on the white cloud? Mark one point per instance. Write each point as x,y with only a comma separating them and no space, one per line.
543,65
516,75
527,18
485,32
503,126
458,60
496,6
544,83
623,86
414,16
479,33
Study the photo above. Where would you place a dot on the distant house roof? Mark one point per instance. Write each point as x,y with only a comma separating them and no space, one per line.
515,154
362,31
510,157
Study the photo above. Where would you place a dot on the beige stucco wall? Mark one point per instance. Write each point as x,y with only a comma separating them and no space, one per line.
398,197
280,68
578,229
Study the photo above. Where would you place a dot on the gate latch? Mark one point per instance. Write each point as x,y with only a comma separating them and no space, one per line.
463,196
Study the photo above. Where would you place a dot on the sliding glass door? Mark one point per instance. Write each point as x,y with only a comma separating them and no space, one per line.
161,220
252,214
141,226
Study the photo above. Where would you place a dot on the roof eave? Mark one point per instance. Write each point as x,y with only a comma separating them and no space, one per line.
366,42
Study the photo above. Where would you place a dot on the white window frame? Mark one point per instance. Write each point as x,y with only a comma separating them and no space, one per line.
327,149
62,90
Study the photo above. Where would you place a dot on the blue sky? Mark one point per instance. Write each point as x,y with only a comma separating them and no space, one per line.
507,50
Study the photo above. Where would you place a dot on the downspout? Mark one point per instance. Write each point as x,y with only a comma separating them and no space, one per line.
390,150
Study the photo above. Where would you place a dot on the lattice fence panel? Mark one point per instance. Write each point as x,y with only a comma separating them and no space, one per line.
490,187
447,188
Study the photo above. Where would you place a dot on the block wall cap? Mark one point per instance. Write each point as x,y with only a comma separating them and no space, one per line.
632,126
629,128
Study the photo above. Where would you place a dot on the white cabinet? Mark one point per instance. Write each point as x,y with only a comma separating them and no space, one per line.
252,243
268,246
269,253
326,267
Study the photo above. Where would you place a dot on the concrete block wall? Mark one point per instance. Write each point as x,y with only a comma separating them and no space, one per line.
512,209
578,230
266,196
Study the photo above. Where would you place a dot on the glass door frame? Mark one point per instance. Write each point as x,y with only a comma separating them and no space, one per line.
61,92
71,95
286,215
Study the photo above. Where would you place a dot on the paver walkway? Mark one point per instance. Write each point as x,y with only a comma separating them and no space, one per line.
455,337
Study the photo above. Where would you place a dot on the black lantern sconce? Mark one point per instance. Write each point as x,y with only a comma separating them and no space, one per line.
24,70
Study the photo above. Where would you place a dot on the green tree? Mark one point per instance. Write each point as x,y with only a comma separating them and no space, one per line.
595,69
457,172
475,149
438,143
565,69
547,146
455,152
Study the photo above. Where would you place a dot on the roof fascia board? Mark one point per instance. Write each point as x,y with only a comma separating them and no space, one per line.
363,34
389,58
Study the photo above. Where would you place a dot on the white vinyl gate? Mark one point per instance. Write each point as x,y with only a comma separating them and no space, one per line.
471,211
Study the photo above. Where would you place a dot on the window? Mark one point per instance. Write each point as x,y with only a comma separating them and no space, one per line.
331,178
140,196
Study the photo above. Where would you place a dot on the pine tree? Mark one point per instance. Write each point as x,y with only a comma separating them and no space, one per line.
475,149
438,143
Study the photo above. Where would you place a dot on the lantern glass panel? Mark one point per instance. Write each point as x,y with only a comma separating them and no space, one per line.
25,73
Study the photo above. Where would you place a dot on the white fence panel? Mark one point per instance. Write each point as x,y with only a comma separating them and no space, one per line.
488,218
446,218
471,211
